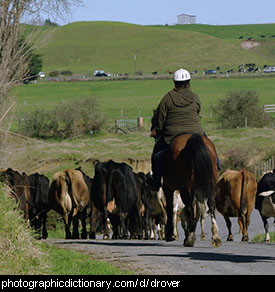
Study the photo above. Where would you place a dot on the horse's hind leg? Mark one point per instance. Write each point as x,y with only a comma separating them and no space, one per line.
190,237
216,240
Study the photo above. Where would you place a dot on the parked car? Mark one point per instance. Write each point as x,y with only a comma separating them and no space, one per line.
100,73
269,70
41,74
210,72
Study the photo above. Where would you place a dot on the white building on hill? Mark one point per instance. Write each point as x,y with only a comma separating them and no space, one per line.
186,19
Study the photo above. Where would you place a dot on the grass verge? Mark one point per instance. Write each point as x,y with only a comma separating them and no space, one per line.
21,254
261,237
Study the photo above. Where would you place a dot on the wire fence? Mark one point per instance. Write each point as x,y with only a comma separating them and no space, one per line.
265,167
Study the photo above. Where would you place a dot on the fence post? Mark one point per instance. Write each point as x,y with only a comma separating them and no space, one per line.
140,122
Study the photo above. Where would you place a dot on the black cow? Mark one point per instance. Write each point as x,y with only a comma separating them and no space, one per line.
98,191
39,203
114,192
265,199
144,195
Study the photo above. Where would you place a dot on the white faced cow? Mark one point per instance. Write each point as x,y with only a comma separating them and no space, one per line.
265,200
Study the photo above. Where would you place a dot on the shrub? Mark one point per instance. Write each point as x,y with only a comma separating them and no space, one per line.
53,73
238,107
40,124
236,159
66,73
67,120
78,117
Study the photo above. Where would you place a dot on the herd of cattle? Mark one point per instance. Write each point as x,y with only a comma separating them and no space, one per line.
118,197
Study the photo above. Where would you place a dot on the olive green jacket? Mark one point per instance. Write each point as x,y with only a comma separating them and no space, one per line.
178,113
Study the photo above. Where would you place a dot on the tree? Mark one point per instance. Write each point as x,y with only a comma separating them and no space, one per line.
15,55
239,108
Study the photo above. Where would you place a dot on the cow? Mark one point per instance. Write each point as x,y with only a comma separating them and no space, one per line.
90,207
69,196
39,189
265,200
122,198
158,214
99,199
143,192
236,192
201,211
179,212
19,186
114,194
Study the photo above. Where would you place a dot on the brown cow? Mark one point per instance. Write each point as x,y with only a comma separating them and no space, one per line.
69,196
236,193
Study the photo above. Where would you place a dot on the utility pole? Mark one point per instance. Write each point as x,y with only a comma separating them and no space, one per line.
135,58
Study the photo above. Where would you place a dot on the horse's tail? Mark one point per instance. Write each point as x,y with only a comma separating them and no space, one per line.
201,166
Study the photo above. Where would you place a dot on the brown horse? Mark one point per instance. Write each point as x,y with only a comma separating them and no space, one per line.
191,167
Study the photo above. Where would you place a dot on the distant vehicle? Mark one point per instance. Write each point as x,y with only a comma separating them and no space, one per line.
269,70
100,73
41,74
210,72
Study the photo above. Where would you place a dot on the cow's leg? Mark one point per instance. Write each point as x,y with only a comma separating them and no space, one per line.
93,221
245,221
266,227
67,218
123,225
152,229
183,220
75,226
169,195
202,219
228,225
44,227
83,223
175,215
106,231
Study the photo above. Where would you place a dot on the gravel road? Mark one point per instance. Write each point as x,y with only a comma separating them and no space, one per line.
171,258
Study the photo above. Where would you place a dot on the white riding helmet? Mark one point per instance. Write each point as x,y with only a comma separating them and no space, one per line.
182,75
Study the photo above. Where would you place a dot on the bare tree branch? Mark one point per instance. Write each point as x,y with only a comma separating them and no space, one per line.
15,49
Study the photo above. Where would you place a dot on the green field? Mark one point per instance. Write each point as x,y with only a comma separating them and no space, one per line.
255,31
128,99
83,47
131,98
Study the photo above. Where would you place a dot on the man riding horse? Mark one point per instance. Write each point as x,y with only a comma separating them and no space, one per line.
183,156
177,113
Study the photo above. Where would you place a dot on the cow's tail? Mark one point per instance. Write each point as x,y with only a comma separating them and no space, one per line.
68,177
243,203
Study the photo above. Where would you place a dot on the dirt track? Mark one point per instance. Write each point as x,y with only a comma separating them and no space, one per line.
171,258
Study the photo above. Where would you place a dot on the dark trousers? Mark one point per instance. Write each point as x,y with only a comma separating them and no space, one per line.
157,159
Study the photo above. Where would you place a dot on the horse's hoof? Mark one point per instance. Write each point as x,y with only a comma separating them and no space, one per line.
216,242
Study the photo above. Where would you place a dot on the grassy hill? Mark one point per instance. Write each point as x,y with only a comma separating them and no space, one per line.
255,31
83,47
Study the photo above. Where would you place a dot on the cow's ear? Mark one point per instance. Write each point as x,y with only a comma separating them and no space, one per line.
95,161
